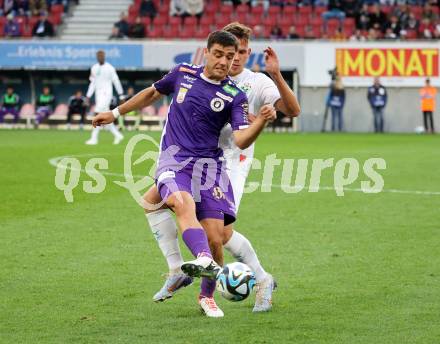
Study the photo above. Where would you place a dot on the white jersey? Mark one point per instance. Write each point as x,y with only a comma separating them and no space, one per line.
260,90
102,79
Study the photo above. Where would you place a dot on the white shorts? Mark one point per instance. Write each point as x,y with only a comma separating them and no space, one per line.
238,171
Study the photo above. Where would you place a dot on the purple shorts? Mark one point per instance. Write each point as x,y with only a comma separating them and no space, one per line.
206,180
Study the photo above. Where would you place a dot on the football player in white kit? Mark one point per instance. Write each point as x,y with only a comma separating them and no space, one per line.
260,90
102,78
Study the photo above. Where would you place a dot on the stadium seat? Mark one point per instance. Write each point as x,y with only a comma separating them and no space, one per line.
170,32
160,20
154,32
55,19
163,110
202,32
164,9
319,10
241,18
207,20
274,11
288,11
146,21
57,9
305,10
175,21
133,11
254,20
411,34
226,11
60,112
2,21
27,112
269,21
257,11
149,110
187,32
301,20
286,21
221,21
242,9
316,21
190,21
210,9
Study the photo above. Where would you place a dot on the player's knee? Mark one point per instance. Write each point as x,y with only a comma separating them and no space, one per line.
215,243
227,234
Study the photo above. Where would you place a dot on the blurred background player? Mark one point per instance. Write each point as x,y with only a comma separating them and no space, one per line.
102,78
77,106
10,104
260,90
45,105
134,113
427,104
377,97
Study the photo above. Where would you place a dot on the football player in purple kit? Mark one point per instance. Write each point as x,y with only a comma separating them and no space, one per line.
204,100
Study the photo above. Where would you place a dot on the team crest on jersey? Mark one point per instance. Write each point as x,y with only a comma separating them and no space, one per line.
245,87
217,104
218,193
181,95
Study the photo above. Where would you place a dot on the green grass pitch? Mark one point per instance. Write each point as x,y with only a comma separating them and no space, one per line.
363,268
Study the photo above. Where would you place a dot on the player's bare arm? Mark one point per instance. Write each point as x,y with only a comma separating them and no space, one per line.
143,98
245,137
287,104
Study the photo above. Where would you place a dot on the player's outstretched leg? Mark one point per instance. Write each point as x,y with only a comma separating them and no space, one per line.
242,250
165,232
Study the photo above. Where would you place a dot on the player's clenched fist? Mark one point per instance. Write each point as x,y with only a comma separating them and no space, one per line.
268,113
103,118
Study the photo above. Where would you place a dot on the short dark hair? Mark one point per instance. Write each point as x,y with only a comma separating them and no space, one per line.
223,38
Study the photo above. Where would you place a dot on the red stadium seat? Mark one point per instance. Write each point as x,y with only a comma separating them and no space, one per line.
241,18
133,11
302,20
274,11
160,20
305,10
253,20
187,32
154,32
257,11
27,31
226,10
316,21
286,21
2,30
146,21
300,30
210,9
269,22
164,9
411,34
435,9
202,32
170,32
242,9
288,11
332,26
57,9
55,18
190,21
33,21
349,26
221,21
2,20
175,21
207,20
319,11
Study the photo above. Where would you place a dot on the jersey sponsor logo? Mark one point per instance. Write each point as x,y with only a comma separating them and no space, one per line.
187,70
230,90
217,104
218,193
181,95
186,85
225,97
189,78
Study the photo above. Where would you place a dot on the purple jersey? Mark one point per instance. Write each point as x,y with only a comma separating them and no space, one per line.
199,110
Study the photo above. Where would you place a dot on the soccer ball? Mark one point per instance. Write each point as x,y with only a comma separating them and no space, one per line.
235,281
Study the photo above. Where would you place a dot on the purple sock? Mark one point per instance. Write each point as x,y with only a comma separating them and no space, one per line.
197,242
207,287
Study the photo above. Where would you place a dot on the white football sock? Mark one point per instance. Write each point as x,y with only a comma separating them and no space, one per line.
164,230
242,250
95,133
112,128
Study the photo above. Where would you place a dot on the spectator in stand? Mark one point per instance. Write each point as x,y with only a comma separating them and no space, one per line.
43,27
308,33
37,6
10,104
363,18
77,105
276,33
389,34
373,35
357,36
148,9
377,97
351,7
194,8
336,101
427,104
429,13
264,3
404,15
413,23
116,34
122,24
12,27
426,29
378,19
437,31
339,35
177,8
258,32
393,28
292,33
45,105
137,30
335,10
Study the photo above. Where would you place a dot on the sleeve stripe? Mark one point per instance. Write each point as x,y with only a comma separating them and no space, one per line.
243,127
